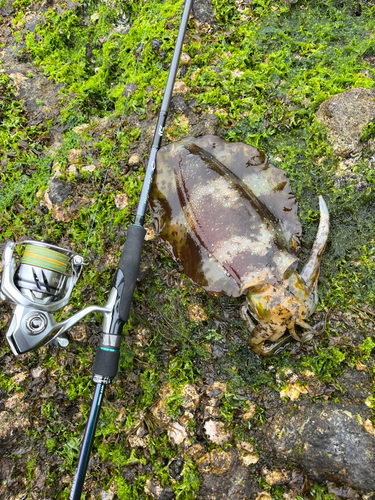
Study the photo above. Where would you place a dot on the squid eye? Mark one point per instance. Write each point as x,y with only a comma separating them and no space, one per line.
297,286
259,305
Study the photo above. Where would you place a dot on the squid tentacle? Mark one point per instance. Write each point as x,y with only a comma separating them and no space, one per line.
310,271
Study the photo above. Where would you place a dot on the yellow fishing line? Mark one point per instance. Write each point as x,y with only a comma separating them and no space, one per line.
45,258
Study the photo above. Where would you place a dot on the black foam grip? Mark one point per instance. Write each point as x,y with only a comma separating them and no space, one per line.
129,265
106,363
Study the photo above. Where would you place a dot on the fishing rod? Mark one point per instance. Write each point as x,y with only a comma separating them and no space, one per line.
41,282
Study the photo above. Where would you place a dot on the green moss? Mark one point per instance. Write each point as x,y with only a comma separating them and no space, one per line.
366,347
188,488
327,364
99,79
149,383
368,132
8,385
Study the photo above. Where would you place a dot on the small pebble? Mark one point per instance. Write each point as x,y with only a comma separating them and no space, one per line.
134,160
121,201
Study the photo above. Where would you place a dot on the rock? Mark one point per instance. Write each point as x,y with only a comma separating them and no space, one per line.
203,12
345,116
75,156
167,494
176,433
357,385
134,160
223,476
59,191
215,433
121,201
331,442
175,468
178,105
190,396
206,126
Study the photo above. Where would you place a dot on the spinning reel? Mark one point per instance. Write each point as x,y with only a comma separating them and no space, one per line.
38,284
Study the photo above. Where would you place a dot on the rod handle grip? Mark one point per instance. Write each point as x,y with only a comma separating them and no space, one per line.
129,266
106,362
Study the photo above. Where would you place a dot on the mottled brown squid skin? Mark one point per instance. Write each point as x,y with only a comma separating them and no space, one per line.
231,218
226,213
279,308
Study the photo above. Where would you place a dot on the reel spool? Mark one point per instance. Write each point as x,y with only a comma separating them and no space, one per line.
41,273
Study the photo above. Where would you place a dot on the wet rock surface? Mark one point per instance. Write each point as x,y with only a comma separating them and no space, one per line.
203,12
330,441
59,191
224,476
357,386
345,116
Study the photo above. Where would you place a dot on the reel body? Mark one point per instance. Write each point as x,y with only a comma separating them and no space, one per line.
38,284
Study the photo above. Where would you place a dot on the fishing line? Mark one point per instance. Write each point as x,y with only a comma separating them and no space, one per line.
141,46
